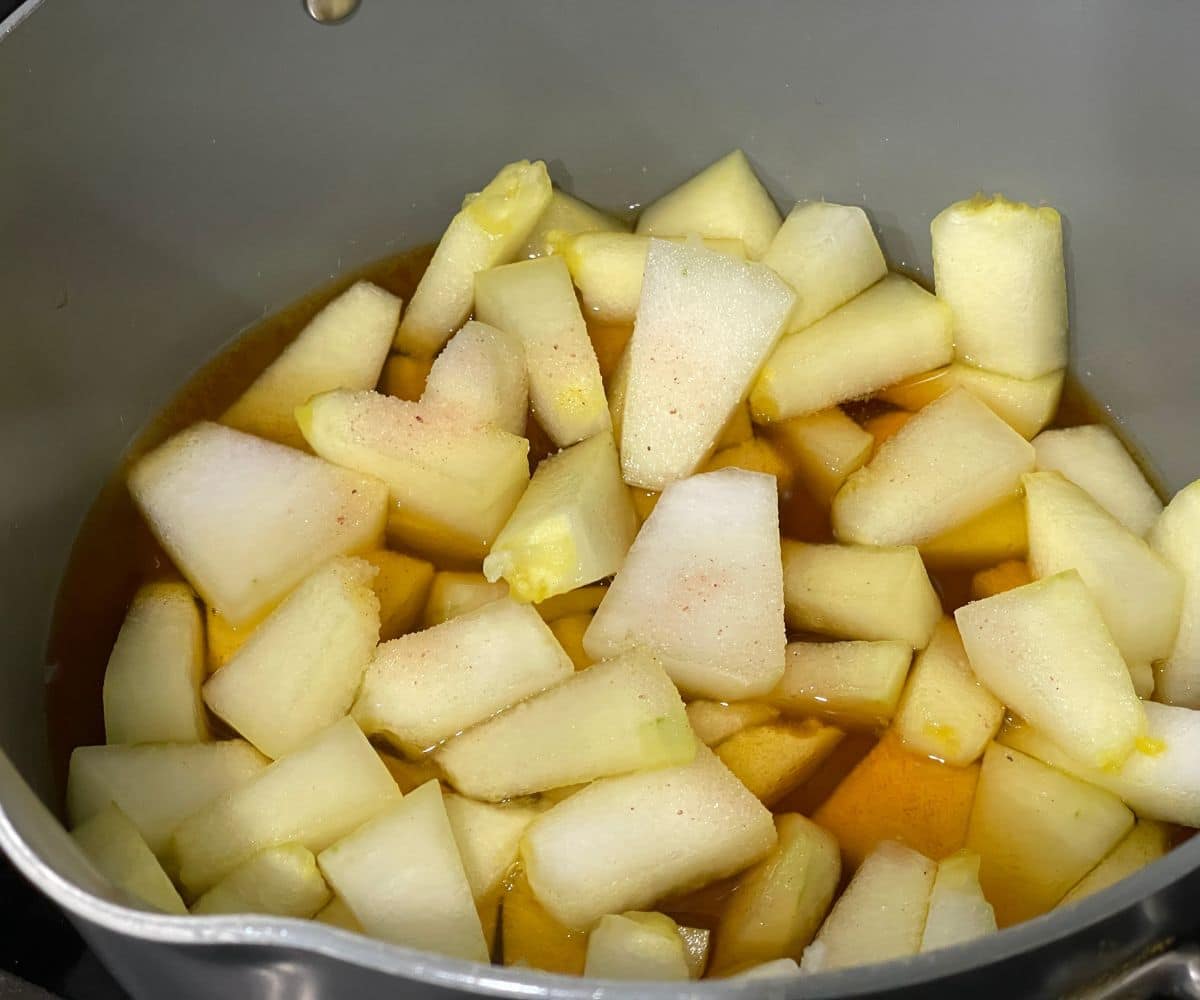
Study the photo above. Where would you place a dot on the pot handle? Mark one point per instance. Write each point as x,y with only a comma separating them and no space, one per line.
1174,973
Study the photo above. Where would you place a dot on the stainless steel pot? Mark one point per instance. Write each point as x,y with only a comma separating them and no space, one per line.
172,170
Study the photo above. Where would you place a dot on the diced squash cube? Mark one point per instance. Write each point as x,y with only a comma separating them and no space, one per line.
1176,537
480,378
999,266
855,683
715,721
1146,842
283,881
893,330
640,946
455,593
492,228
1038,831
755,455
405,377
772,759
569,631
998,534
1007,575
566,216
245,520
488,837
824,448
581,600
1044,651
532,937
402,585
958,911
112,843
152,682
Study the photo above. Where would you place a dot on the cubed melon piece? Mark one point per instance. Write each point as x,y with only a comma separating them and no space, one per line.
221,639
859,592
337,914
343,347
402,585
113,845
313,797
1138,592
488,837
1176,537
1026,405
953,460
998,534
1038,831
152,682
824,448
724,201
1094,459
532,938
945,712
702,588
572,526
401,875
641,946
895,794
491,228
565,216
755,455
829,254
617,716
480,378
300,670
999,266
623,842
245,520
705,324
1159,780
1045,652
535,301
1148,841
427,686
1007,575
856,683
405,377
781,901
581,600
880,916
569,631
893,330
958,910
282,881
462,477
715,721
608,268
454,593
157,786
774,758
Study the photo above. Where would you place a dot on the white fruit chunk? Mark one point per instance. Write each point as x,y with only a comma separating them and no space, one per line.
245,520
705,324
859,592
152,682
881,914
1160,779
567,216
426,686
958,911
641,946
829,254
491,229
488,838
1146,842
946,712
608,268
858,683
702,588
724,201
824,448
402,877
535,301
618,716
1176,537
1138,592
1037,831
1093,458
157,786
300,669
780,902
455,593
714,722
283,881
893,330
465,478
343,347
479,379
312,797
572,526
112,843
952,460
623,842
1044,651
999,265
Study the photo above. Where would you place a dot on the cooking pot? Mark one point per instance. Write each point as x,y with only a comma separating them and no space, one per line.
173,170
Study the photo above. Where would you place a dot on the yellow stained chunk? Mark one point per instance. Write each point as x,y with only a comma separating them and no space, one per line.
775,758
404,377
994,580
754,455
996,535
454,593
402,586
